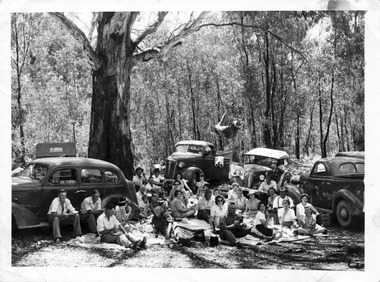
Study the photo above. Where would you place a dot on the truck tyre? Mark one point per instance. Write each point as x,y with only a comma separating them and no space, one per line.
343,215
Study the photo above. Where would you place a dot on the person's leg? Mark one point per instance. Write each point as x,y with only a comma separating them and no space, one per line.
287,231
55,222
229,236
91,223
76,225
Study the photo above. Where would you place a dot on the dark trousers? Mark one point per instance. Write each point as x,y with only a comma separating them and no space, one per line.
57,222
90,220
231,235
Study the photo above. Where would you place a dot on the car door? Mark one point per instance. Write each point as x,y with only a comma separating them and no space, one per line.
318,184
60,178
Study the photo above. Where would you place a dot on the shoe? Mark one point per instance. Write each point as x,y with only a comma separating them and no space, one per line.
57,240
143,243
134,245
324,232
239,245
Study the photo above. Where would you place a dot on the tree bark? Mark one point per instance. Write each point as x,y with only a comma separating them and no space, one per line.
110,135
267,132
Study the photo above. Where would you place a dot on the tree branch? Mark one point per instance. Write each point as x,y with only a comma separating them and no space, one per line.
152,28
257,27
95,62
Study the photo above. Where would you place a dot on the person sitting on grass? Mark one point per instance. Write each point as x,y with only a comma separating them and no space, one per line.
261,223
231,228
201,186
232,193
240,201
304,202
111,231
162,220
179,210
217,211
287,219
252,204
205,204
177,186
90,209
62,213
308,223
123,212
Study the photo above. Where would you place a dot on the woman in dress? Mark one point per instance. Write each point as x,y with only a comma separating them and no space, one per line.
300,208
287,219
217,211
261,223
179,210
308,223
252,204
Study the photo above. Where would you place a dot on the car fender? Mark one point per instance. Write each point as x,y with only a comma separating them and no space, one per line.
23,216
114,198
354,203
294,192
189,172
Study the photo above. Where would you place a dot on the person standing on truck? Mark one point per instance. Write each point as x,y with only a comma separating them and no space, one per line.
62,213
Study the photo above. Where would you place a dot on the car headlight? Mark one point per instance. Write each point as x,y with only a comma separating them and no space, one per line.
181,164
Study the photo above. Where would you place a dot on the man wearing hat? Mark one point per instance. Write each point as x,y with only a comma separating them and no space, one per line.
277,202
204,205
90,209
139,179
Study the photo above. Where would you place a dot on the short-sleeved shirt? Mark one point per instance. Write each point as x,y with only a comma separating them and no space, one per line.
226,220
260,215
185,199
289,215
104,223
218,212
158,180
264,187
241,203
300,210
139,180
203,204
88,204
177,205
277,202
58,208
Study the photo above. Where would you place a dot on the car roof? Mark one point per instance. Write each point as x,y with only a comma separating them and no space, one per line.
195,142
354,154
265,152
74,161
341,160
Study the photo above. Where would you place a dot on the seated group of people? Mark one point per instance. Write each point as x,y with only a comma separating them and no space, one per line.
111,224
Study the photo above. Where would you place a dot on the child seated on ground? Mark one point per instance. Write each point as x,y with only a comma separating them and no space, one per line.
308,224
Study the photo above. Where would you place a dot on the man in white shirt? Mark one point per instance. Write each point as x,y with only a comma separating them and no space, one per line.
268,183
139,179
90,209
278,203
111,231
62,213
204,205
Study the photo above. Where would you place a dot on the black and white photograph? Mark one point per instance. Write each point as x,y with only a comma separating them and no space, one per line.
193,142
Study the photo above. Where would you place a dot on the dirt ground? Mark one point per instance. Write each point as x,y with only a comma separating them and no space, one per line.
341,250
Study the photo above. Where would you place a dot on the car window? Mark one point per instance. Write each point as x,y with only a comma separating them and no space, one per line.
111,176
360,167
91,175
35,171
347,168
320,169
63,177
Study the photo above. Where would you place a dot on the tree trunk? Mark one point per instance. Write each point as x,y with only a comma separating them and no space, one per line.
110,135
320,116
324,154
218,103
267,133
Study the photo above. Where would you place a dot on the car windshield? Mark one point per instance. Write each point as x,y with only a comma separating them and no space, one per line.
35,171
260,160
189,149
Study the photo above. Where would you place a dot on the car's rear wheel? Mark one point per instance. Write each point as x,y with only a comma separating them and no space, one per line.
343,215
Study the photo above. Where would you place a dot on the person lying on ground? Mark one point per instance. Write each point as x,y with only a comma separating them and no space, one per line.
177,187
308,223
122,213
90,209
162,220
262,221
217,211
200,185
231,228
205,204
304,202
252,204
287,219
112,231
268,183
62,213
179,209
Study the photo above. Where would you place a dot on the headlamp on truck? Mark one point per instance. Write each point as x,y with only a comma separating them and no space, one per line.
181,165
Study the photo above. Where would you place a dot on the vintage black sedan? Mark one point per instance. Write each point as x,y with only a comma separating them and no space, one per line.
336,184
36,187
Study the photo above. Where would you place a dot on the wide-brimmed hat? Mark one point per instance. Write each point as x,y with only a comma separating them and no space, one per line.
304,195
282,189
122,201
252,191
139,168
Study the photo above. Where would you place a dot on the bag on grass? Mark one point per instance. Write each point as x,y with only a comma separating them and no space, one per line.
183,236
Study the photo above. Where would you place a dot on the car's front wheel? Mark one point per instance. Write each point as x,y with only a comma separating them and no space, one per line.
343,215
